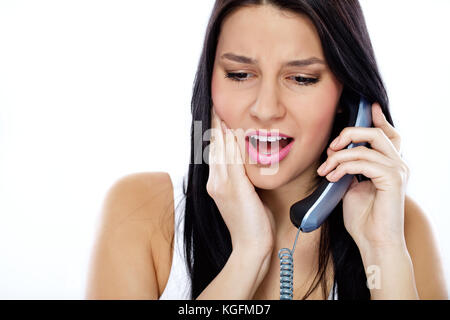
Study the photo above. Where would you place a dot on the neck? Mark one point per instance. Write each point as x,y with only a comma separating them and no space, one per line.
281,199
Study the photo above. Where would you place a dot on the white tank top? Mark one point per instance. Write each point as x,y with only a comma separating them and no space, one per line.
178,286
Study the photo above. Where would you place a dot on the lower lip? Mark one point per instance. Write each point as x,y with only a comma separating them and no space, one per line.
266,159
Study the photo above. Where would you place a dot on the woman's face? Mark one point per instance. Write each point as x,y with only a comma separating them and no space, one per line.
267,93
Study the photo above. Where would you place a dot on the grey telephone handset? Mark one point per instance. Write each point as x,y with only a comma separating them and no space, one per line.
308,214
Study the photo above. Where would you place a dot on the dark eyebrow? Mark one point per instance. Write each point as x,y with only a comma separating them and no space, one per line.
293,63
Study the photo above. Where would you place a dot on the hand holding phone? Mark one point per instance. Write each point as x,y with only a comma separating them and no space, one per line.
308,214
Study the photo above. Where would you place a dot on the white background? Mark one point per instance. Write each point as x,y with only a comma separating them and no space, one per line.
94,90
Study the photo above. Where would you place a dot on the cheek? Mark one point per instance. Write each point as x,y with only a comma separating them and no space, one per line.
319,124
218,96
225,102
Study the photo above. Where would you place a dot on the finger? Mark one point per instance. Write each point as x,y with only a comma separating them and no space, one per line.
374,136
379,121
233,156
330,151
358,153
217,154
214,156
381,176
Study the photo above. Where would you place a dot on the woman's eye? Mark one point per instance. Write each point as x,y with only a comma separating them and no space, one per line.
302,81
236,76
299,80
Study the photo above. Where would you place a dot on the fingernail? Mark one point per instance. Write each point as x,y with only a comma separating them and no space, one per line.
379,109
321,169
331,175
335,142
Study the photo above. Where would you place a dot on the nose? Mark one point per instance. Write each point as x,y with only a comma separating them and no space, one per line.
267,106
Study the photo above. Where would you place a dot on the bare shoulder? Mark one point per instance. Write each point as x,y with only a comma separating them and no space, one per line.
144,201
135,189
134,228
424,251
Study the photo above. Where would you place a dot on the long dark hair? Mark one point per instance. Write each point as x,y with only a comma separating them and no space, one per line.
349,54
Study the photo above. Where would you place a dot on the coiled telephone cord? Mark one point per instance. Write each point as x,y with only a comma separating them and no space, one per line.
287,271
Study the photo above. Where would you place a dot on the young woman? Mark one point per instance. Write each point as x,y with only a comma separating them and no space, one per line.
297,67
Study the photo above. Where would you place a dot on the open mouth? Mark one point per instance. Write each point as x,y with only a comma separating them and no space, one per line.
266,146
268,149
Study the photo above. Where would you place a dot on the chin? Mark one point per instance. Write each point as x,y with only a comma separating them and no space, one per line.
266,177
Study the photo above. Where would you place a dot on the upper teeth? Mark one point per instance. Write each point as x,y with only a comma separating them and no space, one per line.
268,138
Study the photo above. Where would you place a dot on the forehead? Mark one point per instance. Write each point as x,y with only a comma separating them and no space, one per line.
265,31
